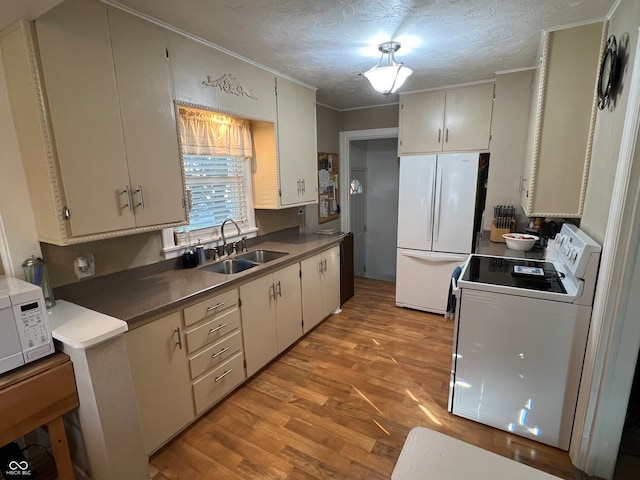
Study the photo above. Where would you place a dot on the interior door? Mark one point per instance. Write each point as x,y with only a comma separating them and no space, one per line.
357,194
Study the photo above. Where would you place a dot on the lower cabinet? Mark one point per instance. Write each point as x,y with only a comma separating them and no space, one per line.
185,362
271,316
161,380
320,286
214,345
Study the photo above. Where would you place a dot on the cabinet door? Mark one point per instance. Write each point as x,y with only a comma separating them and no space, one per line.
560,144
259,323
421,122
312,301
148,119
161,381
467,121
297,152
288,306
331,280
77,64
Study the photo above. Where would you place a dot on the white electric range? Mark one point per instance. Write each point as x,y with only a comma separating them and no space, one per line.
520,335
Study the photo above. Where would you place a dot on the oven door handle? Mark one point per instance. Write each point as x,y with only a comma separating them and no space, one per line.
454,287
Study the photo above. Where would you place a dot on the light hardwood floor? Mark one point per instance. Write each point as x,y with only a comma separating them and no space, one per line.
340,403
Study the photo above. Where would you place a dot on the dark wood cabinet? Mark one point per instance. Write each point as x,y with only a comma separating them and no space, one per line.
346,268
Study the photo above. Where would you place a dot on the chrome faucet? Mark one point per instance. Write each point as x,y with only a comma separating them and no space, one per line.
224,239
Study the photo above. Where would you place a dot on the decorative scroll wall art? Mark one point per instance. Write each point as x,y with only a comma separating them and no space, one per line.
229,83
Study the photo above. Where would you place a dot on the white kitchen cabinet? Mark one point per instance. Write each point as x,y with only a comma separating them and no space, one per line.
95,122
271,316
563,116
285,172
148,120
214,344
160,373
320,286
446,120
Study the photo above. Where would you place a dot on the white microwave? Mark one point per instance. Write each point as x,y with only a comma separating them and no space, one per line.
25,334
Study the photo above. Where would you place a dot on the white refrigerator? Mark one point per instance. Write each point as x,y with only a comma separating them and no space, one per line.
436,208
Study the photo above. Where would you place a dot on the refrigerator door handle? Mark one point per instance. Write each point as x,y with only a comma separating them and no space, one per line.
430,210
436,219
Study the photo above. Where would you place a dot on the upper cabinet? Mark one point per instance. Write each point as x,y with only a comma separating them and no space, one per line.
208,77
285,171
446,120
91,89
563,116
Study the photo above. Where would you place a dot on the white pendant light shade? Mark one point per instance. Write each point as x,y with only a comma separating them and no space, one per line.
387,76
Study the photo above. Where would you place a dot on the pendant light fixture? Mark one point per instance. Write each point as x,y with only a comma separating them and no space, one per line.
388,75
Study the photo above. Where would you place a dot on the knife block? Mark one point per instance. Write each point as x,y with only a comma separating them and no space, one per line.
496,233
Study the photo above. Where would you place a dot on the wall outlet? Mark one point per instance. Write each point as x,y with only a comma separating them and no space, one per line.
84,265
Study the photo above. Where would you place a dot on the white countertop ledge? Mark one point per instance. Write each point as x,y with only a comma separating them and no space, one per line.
80,327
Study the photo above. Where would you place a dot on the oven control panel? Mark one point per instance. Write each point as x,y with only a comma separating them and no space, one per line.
575,248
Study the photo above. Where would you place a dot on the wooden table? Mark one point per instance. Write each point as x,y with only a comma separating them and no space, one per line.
36,395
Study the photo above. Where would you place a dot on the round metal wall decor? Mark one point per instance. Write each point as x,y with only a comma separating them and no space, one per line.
609,72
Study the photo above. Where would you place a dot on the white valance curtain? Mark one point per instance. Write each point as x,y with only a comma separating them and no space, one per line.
214,134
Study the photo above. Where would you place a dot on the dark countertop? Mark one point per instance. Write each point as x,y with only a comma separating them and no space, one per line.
484,246
141,294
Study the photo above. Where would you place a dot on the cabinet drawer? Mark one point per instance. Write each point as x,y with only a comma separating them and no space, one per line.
211,308
215,354
213,330
220,381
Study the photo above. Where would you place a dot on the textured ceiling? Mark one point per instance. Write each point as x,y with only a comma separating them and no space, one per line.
326,43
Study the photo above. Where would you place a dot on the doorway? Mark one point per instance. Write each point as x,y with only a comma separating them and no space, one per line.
372,178
357,197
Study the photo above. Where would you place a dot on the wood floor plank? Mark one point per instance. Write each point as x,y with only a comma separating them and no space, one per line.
340,402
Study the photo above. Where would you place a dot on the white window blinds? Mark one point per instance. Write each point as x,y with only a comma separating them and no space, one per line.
215,152
217,186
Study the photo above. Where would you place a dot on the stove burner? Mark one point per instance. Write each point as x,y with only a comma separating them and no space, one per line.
499,271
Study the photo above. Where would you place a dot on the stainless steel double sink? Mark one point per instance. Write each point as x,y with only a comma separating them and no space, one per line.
243,261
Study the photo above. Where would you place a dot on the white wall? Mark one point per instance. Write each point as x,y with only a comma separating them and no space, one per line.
609,123
509,131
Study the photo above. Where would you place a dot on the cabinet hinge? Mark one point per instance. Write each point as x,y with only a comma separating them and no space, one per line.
364,268
66,213
279,192
166,51
402,107
364,228
300,273
239,302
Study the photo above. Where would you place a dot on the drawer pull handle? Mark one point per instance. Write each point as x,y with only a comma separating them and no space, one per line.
213,307
223,375
220,352
213,330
